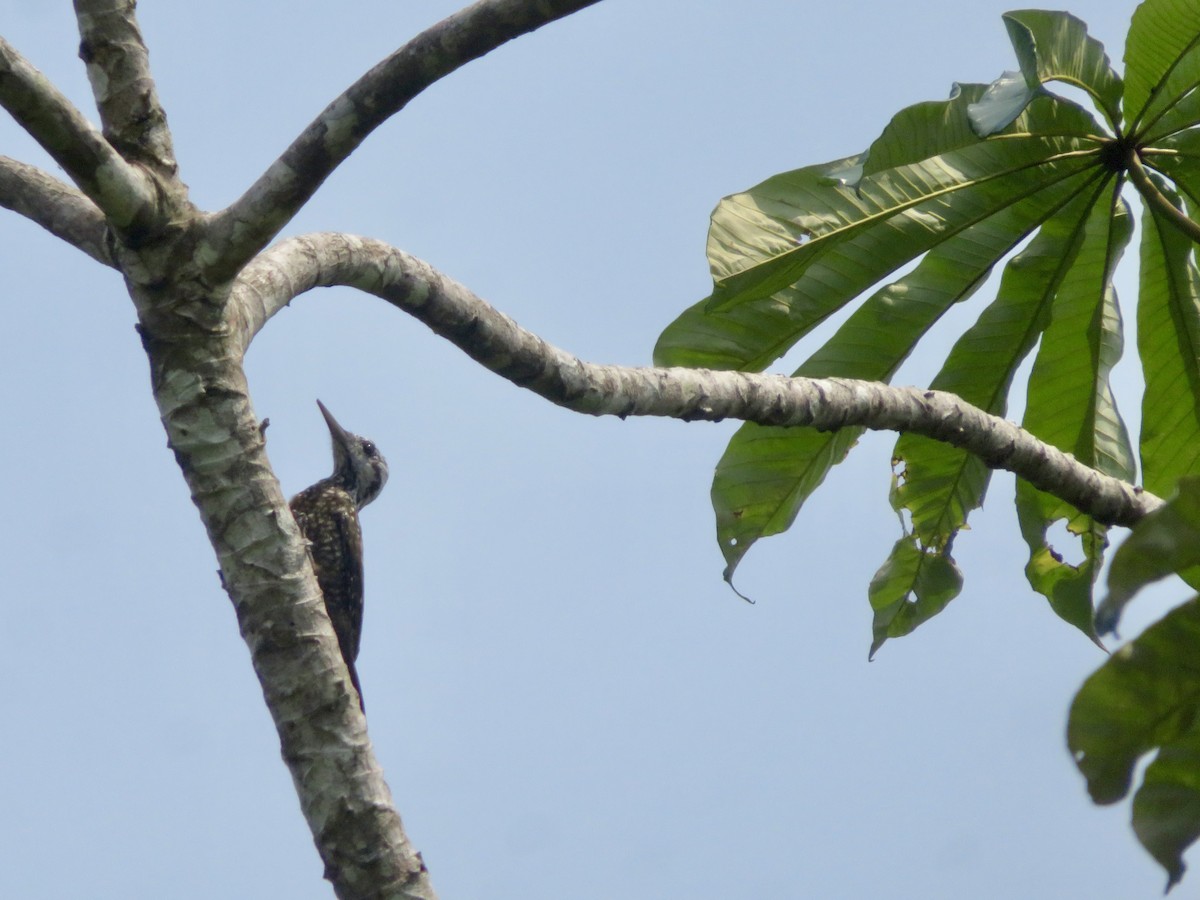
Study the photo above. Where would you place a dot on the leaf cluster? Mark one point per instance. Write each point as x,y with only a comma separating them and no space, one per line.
1016,180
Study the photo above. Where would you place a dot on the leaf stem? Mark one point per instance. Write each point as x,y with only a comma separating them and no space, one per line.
1158,200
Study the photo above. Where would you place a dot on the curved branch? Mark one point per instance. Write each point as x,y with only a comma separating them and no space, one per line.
57,207
118,67
124,194
498,343
245,227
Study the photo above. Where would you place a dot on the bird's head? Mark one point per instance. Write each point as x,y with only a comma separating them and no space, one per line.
358,466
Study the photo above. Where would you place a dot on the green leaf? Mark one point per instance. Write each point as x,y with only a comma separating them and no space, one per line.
766,239
911,587
925,130
1162,60
1165,542
767,473
1177,158
1166,808
1169,346
1147,696
1055,46
1175,120
1070,405
750,335
940,484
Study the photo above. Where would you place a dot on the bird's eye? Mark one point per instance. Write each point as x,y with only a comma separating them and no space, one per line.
370,449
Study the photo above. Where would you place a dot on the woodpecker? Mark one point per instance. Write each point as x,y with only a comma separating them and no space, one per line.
327,513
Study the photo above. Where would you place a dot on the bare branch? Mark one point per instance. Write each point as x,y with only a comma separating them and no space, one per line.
241,230
122,192
118,66
57,207
499,344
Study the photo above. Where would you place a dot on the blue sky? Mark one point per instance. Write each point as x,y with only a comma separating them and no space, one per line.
567,699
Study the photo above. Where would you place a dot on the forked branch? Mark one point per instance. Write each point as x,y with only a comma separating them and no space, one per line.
118,66
124,193
59,208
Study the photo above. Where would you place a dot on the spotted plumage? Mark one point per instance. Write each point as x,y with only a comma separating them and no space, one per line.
327,514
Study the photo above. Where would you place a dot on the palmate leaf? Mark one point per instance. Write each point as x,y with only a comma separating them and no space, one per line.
1147,697
1162,64
1169,345
1070,405
1050,46
1055,46
1165,542
1177,156
790,252
935,487
887,218
940,485
750,335
766,473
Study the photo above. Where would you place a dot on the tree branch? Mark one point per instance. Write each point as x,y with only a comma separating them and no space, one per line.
498,343
118,67
57,207
245,227
124,194
204,403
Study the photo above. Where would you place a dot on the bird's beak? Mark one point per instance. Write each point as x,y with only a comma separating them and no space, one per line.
339,433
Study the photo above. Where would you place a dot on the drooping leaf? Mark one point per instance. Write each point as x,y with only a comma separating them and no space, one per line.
1166,808
1162,61
1055,46
1147,697
911,587
938,484
766,473
751,334
1070,405
1165,542
941,484
1169,346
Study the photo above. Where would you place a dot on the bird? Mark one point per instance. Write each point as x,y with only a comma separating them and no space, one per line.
327,515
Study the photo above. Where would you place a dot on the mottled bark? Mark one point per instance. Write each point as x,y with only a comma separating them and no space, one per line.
57,207
197,316
118,67
122,191
500,344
